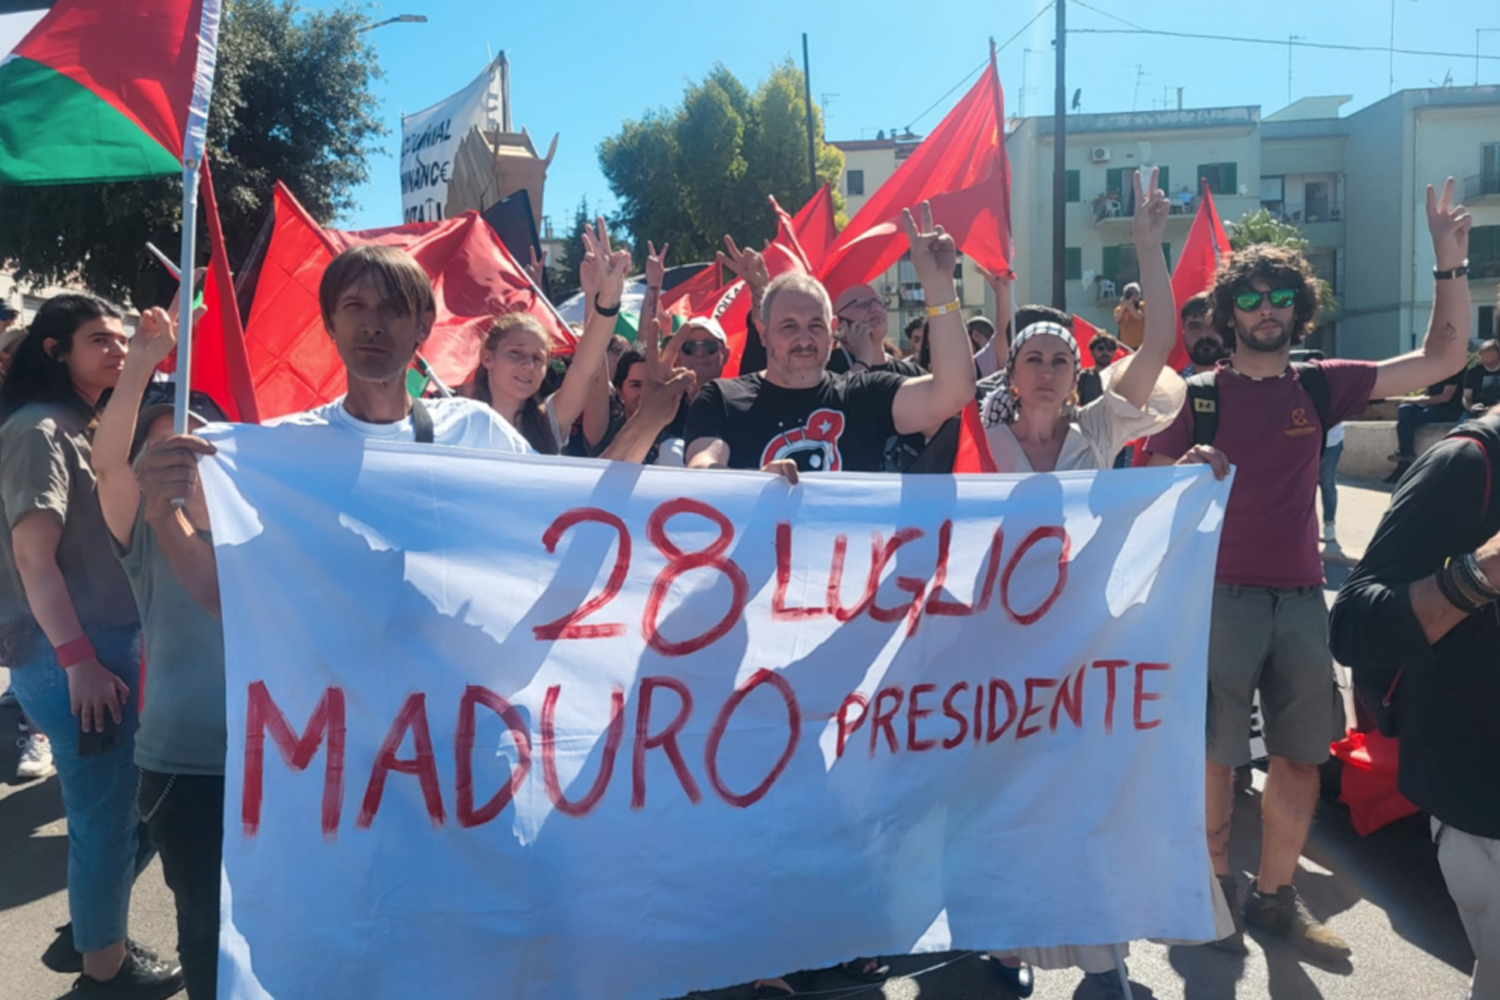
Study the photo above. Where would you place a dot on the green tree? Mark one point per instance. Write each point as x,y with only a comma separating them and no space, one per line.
1261,226
690,175
292,101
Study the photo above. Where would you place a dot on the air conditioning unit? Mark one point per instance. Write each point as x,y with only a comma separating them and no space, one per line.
1099,154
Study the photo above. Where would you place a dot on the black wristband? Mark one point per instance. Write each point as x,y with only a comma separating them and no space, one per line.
613,310
1451,591
1466,578
1461,271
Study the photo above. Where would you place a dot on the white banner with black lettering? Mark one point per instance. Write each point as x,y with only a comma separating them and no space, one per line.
430,140
548,729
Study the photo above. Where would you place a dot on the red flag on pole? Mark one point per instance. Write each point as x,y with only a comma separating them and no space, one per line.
961,169
813,226
973,453
1206,245
292,361
221,366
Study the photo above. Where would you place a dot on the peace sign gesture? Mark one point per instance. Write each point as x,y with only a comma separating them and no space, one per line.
933,252
534,268
1449,225
749,265
603,271
656,265
664,382
1149,225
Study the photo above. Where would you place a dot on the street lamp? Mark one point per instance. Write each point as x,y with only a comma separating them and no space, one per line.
398,19
1477,33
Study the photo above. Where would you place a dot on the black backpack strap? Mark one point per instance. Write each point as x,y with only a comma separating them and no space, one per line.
421,422
1315,383
1203,398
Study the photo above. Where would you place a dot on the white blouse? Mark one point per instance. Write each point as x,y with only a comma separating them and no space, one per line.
1098,431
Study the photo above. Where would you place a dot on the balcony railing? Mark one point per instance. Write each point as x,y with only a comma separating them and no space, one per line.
1110,206
1482,185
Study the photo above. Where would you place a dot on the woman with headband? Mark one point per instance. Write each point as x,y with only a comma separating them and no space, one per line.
1032,418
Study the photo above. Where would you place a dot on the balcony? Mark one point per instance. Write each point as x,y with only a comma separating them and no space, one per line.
1110,208
1481,186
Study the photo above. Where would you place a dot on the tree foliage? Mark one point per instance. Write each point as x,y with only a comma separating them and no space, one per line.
692,174
292,101
1260,226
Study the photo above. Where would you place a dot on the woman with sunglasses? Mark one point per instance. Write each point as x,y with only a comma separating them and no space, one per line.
1033,419
514,362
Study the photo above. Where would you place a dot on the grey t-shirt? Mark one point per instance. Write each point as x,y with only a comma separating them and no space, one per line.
45,451
182,720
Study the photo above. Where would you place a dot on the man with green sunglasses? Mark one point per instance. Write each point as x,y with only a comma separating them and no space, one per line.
1269,620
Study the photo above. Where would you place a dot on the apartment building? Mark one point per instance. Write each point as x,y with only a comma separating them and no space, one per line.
1354,185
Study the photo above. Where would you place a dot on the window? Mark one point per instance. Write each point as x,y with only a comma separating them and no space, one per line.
1163,179
1489,169
1487,329
1484,252
1073,263
1223,178
1071,182
854,182
1121,266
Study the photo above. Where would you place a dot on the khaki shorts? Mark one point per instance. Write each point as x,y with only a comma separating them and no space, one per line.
1274,640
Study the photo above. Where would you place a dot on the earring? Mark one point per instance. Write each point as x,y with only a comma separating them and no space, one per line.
1015,392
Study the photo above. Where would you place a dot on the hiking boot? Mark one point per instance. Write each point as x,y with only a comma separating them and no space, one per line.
1233,943
1286,916
139,978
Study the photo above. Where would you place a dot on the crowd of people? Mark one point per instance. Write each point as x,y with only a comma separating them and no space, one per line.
108,547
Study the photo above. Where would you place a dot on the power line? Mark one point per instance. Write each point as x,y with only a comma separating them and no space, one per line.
1273,41
970,74
1112,17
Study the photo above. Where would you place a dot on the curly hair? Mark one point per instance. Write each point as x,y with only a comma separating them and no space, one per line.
1279,267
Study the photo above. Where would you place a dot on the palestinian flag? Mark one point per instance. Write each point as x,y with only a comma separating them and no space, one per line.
103,90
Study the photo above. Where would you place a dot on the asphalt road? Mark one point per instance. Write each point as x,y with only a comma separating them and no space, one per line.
1383,893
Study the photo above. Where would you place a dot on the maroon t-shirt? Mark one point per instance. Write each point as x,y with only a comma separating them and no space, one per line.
1269,430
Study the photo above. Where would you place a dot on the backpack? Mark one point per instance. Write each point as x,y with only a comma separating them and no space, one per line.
1377,688
1203,396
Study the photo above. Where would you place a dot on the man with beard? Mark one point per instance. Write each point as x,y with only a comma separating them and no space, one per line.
1269,622
1204,345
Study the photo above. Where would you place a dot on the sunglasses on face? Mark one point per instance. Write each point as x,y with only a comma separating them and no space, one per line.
1102,349
707,348
1281,298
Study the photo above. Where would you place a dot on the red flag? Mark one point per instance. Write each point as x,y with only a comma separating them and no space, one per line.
1205,246
973,453
221,367
962,170
474,278
813,226
695,295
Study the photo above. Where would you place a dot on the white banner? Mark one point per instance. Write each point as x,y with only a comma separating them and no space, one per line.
548,729
430,140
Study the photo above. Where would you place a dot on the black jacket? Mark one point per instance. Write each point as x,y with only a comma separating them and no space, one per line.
1446,697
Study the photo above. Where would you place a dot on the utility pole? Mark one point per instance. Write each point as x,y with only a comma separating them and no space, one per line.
1060,163
812,156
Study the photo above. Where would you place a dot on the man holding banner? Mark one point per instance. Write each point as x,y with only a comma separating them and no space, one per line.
797,417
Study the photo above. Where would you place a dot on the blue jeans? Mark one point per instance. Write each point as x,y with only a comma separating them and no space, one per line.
1328,480
1410,416
107,846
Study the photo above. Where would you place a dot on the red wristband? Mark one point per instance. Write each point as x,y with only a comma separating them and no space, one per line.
75,652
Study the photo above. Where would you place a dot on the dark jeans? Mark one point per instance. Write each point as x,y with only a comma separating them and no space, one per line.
1410,416
185,816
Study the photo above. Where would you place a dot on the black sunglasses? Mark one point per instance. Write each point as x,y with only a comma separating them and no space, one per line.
707,348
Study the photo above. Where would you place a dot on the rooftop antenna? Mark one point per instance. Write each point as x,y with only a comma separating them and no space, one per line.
1140,74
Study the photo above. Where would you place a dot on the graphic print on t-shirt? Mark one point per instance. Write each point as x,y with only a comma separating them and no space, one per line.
814,446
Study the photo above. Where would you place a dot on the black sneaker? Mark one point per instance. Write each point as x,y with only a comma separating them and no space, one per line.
1235,942
62,955
1285,915
139,978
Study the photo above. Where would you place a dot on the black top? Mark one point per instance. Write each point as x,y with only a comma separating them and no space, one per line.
839,425
1484,383
1447,698
1451,409
1090,386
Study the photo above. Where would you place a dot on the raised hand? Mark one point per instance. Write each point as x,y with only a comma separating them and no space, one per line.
155,339
999,283
664,384
604,269
1149,225
535,268
933,252
656,265
749,265
1449,225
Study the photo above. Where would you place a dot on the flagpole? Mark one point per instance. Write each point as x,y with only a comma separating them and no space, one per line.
185,295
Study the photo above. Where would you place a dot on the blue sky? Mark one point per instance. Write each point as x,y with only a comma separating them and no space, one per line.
580,69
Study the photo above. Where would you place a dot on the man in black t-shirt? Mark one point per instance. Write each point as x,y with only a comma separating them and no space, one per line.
797,417
1482,382
1440,405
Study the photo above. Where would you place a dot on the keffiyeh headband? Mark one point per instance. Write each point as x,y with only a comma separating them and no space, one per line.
1002,406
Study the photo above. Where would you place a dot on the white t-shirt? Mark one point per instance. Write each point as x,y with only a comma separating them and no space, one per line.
458,422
